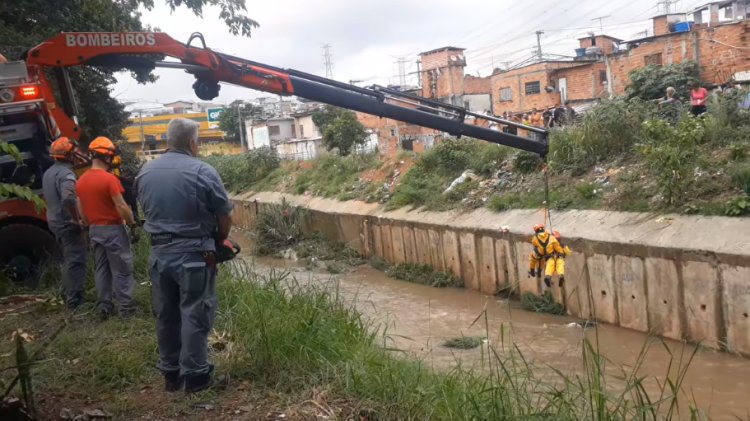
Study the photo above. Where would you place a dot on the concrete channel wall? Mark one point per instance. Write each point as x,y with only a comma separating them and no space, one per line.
680,277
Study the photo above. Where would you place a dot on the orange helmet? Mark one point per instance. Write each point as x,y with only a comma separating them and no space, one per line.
103,146
62,148
539,228
557,234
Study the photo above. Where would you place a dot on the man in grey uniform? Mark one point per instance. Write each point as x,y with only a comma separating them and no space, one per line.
64,220
186,210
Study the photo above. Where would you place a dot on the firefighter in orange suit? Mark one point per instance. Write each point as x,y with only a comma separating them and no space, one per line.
557,251
540,245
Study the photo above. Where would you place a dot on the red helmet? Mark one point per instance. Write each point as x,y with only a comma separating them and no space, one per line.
539,228
62,148
557,234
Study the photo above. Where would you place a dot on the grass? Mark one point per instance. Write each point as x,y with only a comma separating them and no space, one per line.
465,342
291,342
423,274
544,303
334,176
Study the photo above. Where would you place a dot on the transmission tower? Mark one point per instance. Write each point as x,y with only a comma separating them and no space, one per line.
401,61
666,5
328,60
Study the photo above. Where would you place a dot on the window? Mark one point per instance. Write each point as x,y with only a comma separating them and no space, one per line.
653,59
301,131
274,130
393,132
294,131
506,94
603,76
533,88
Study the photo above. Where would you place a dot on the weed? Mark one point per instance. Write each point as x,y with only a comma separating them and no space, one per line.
544,303
465,342
738,207
741,177
423,274
277,227
586,190
332,175
527,162
240,172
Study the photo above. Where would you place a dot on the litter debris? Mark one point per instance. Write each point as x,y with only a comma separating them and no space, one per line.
96,414
599,170
467,175
66,414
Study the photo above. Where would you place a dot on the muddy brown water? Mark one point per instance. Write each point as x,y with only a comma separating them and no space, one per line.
420,318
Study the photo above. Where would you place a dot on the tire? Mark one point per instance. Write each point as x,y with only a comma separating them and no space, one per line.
23,249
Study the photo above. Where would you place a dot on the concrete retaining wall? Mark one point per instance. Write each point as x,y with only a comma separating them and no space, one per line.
680,277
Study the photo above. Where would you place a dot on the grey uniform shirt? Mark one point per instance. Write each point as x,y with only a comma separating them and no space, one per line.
182,196
59,190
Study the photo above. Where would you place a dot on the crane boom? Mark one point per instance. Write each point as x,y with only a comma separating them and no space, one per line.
145,50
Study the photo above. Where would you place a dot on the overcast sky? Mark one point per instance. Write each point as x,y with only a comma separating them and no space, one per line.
367,36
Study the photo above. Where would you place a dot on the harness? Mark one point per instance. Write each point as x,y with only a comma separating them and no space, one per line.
543,244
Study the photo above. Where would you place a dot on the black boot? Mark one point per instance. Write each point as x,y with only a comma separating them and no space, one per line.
561,281
197,382
548,281
172,381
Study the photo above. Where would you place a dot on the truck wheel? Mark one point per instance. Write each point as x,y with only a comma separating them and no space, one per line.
23,249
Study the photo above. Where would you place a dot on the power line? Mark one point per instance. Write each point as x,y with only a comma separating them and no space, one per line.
601,20
328,60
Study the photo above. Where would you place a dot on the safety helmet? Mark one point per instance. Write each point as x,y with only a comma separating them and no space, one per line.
102,146
539,228
62,148
557,234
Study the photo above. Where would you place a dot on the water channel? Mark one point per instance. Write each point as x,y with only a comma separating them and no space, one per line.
420,318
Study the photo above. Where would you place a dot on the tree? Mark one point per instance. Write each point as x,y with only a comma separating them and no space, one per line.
340,129
229,119
651,82
26,23
14,190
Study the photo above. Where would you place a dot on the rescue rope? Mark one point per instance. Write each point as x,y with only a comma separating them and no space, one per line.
546,203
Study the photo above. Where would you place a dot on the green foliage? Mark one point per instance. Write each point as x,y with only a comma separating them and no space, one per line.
277,227
13,190
341,129
738,207
333,175
670,153
26,23
423,274
741,177
240,172
586,190
651,82
527,162
544,303
465,342
229,119
608,130
436,169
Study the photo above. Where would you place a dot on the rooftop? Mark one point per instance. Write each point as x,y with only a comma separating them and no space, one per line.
600,36
437,50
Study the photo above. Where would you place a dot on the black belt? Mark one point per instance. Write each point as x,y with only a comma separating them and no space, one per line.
167,237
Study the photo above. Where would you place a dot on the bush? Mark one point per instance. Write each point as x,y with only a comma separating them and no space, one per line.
651,82
544,303
738,207
670,153
423,274
586,190
277,227
332,175
609,130
240,172
527,162
437,168
741,177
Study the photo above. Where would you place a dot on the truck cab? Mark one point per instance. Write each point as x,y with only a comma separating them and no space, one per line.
25,240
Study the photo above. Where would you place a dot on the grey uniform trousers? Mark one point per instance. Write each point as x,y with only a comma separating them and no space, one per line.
72,243
113,261
184,300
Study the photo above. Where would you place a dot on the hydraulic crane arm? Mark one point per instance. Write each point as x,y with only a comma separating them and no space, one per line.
146,49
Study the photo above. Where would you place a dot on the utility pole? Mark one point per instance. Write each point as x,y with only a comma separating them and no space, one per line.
239,123
143,135
419,74
601,22
539,45
328,60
